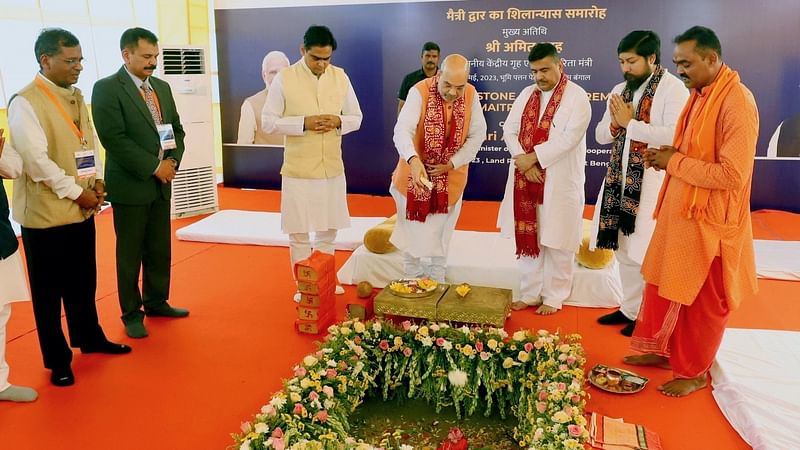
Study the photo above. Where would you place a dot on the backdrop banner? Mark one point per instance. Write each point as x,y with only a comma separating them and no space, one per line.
378,44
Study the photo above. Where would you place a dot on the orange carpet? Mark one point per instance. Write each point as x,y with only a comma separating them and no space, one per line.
193,381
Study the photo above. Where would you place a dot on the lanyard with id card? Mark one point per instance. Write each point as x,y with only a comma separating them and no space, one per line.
84,158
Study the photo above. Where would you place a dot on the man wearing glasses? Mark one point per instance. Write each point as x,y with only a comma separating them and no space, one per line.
55,200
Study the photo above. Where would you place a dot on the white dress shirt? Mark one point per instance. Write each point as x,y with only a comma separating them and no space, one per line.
31,144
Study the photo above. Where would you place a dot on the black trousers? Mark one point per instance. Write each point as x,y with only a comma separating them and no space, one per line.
62,266
144,241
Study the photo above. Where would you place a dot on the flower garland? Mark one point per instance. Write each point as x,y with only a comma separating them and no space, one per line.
537,376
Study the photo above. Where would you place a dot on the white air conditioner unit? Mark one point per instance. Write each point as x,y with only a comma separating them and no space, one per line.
187,70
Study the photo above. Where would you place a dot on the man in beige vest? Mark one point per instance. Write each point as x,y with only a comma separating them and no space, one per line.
313,103
250,131
438,133
55,200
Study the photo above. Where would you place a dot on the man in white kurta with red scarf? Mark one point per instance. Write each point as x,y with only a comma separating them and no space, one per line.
438,132
545,133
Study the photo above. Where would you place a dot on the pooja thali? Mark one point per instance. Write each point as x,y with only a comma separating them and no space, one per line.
616,380
413,287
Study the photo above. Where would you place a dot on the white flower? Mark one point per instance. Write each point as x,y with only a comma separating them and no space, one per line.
413,328
305,383
434,327
376,327
406,447
310,360
261,428
327,350
427,341
502,332
444,325
359,327
245,445
329,404
358,368
345,331
331,363
465,329
457,377
447,345
519,335
278,401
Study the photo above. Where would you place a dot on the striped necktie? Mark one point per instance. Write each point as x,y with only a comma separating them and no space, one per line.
151,103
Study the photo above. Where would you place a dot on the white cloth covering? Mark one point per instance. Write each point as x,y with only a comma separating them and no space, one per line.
779,260
484,259
232,226
756,381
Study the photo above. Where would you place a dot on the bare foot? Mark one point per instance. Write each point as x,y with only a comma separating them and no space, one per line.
545,310
519,306
681,387
648,359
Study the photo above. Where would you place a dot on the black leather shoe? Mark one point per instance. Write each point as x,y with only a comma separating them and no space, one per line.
615,318
628,330
62,377
107,347
167,311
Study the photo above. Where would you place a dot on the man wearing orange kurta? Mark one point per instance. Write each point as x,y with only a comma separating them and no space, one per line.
438,133
700,263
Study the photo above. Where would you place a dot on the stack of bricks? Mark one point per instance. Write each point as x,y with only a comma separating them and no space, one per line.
316,281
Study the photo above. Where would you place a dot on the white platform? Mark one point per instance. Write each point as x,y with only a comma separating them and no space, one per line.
484,259
756,380
231,226
778,260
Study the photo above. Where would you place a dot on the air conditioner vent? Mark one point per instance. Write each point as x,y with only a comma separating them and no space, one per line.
194,191
184,61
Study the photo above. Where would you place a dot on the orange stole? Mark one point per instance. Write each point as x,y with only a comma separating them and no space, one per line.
456,178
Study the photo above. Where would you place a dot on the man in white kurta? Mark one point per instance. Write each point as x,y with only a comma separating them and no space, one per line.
313,103
639,57
12,276
424,241
546,280
250,131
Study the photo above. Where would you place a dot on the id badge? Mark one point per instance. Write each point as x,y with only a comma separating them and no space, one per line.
166,136
84,162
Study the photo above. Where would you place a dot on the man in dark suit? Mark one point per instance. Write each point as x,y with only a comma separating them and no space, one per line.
134,115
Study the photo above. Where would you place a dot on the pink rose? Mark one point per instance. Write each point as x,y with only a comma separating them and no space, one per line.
322,416
541,406
299,409
485,356
331,373
528,347
246,427
269,410
542,395
575,398
328,391
568,410
563,367
440,341
299,371
479,346
407,351
406,325
357,340
571,360
384,345
277,433
538,344
574,430
313,396
562,386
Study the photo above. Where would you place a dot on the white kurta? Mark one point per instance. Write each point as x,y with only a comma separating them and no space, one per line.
309,205
432,237
668,101
563,156
13,287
